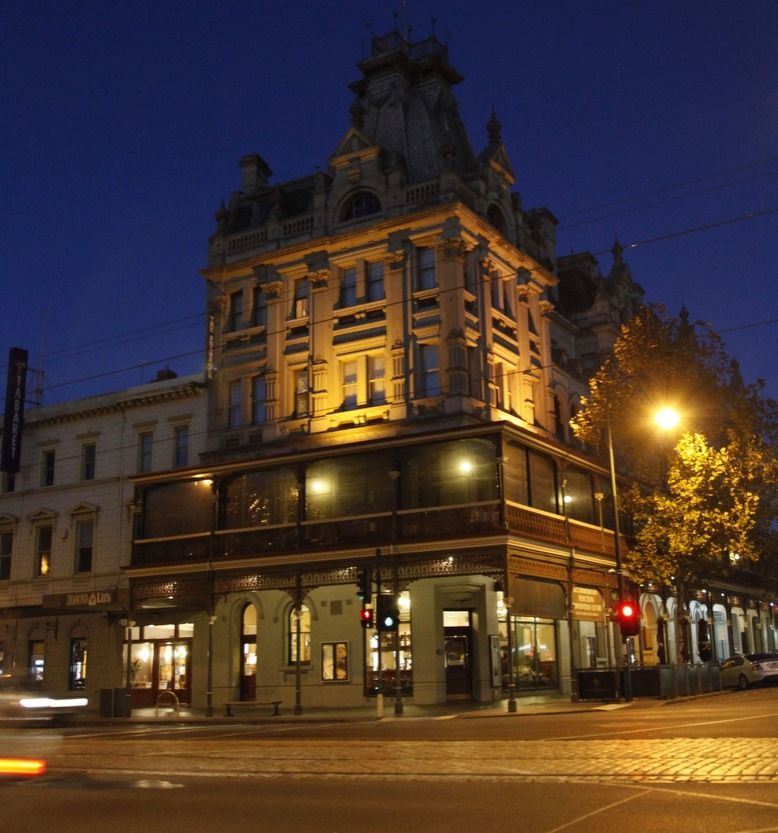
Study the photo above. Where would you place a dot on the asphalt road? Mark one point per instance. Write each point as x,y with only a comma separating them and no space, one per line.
703,765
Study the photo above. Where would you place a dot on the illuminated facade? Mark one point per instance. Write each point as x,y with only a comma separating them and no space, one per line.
394,352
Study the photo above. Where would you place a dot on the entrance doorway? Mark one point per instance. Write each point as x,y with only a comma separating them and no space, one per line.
160,660
536,654
458,641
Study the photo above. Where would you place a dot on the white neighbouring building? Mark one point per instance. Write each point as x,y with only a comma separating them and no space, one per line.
66,521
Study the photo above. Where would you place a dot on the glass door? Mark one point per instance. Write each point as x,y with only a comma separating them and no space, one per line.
173,669
536,654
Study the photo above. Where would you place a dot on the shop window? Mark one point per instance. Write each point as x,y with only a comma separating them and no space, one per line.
382,651
37,660
78,664
299,635
334,661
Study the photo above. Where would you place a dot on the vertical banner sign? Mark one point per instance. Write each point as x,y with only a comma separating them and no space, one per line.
14,410
211,338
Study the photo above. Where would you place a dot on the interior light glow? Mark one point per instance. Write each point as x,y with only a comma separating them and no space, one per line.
319,487
465,466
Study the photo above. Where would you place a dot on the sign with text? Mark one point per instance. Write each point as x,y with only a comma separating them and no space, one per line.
587,604
14,410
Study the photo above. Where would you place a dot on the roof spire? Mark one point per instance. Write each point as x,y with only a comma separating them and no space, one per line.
493,129
617,250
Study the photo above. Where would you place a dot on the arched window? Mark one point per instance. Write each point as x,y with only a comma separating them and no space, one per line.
362,204
298,634
248,652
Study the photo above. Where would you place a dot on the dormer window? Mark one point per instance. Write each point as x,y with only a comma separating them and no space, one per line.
362,204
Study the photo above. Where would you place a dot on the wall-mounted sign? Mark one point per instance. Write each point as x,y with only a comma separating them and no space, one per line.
588,604
14,410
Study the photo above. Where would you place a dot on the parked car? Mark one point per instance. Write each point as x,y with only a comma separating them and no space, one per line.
27,702
744,670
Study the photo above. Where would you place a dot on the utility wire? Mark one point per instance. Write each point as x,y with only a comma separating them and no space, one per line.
667,188
288,295
621,212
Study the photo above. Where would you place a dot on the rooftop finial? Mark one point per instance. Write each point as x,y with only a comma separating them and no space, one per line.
494,129
617,250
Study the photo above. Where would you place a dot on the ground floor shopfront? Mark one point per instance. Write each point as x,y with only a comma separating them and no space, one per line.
72,642
473,625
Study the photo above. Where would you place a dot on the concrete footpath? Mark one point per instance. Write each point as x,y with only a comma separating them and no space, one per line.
526,705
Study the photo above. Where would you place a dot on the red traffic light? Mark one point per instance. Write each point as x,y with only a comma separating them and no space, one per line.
629,618
366,617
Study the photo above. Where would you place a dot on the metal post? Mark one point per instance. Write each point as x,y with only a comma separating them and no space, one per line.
209,686
298,603
379,697
508,600
627,692
398,688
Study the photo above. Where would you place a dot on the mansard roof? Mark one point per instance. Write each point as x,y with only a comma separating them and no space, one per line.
408,106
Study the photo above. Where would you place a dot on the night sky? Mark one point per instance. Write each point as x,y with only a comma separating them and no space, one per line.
123,125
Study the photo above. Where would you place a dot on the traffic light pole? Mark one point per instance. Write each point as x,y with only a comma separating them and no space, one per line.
398,688
624,659
379,697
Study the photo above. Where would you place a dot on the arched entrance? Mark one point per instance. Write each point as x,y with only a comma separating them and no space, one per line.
248,653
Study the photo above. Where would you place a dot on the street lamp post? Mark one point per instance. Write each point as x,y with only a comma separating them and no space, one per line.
627,689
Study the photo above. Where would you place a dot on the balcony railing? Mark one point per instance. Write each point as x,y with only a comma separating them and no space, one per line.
408,525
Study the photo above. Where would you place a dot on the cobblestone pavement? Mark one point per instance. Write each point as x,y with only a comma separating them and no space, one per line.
679,760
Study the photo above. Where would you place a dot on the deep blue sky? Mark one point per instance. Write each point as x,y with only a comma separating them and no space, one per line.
123,124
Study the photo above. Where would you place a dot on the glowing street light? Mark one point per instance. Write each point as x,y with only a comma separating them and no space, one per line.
667,418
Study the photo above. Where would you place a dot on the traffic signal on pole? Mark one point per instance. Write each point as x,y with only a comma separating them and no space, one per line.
364,583
629,617
388,613
366,617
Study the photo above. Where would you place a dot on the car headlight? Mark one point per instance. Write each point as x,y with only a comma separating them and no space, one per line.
49,703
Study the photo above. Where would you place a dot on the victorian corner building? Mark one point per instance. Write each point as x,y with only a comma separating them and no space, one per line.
394,352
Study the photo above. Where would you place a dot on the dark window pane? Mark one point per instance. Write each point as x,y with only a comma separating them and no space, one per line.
178,509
